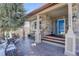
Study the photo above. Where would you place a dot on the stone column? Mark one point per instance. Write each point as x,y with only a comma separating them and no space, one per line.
37,33
77,29
70,39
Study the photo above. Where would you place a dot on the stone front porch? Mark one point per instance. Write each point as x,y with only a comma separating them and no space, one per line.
25,48
72,32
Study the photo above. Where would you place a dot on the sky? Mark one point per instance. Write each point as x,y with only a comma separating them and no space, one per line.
31,6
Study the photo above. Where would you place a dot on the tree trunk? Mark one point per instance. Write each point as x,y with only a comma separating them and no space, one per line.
10,34
3,35
23,33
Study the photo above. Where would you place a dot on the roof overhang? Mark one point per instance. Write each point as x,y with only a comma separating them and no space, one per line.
45,6
45,9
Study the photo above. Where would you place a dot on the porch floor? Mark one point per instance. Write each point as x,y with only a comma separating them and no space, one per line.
25,48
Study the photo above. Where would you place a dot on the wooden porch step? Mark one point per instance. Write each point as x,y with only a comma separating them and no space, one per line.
54,40
57,38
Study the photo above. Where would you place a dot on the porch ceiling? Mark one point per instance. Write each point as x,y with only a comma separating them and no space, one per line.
62,11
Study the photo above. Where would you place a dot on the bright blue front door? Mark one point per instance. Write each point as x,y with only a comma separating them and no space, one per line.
60,26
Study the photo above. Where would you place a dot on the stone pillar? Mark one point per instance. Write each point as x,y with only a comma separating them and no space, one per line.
37,33
70,39
77,29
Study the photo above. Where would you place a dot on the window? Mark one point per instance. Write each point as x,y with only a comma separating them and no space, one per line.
34,25
40,25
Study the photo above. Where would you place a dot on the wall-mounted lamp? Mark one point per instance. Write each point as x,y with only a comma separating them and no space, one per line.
74,17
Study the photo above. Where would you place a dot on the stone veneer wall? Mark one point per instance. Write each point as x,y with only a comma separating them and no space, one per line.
48,25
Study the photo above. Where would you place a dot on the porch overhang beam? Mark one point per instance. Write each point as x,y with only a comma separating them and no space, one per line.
52,8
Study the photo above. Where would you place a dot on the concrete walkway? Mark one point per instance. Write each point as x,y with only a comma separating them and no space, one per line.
25,48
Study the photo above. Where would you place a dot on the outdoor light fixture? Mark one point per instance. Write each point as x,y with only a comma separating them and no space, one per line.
74,17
